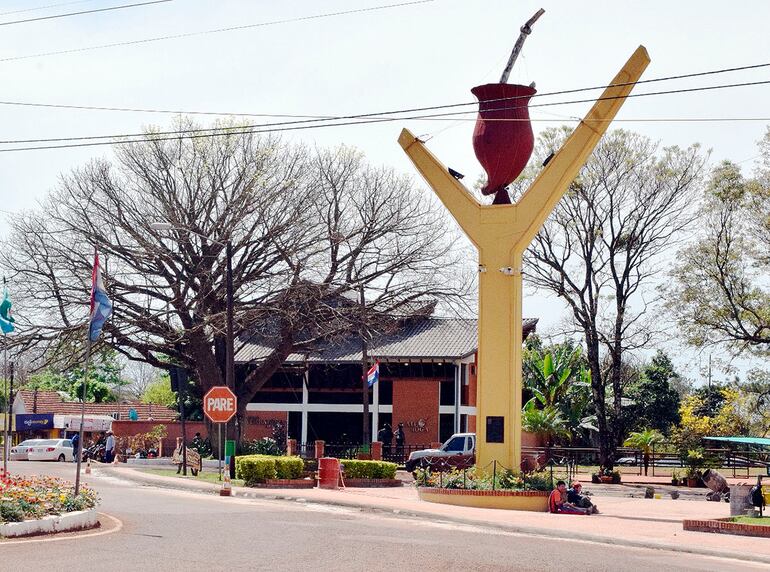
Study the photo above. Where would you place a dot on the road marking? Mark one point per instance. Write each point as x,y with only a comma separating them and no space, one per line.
118,525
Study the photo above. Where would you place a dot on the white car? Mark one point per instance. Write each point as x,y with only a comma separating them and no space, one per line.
458,452
19,452
51,450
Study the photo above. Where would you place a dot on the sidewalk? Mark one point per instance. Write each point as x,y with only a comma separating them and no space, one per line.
642,523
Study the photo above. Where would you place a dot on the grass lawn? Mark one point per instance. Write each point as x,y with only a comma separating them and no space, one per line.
764,521
207,476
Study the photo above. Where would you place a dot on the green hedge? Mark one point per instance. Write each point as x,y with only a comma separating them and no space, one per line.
254,468
369,469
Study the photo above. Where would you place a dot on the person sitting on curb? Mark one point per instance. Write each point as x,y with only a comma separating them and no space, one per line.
576,497
558,503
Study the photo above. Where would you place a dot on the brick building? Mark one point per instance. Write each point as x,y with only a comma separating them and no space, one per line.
427,382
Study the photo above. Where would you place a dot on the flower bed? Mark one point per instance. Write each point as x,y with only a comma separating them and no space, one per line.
727,526
476,480
29,498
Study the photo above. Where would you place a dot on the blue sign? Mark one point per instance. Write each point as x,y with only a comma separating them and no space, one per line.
34,422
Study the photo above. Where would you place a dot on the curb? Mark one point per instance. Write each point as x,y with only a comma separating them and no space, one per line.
242,492
67,522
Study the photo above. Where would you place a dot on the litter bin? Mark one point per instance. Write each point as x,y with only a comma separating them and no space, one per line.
740,500
328,473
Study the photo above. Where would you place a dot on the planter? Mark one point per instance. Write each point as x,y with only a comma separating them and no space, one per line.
284,484
372,483
606,479
724,526
675,482
67,522
536,501
692,482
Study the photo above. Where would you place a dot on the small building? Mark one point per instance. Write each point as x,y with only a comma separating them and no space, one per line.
427,382
49,415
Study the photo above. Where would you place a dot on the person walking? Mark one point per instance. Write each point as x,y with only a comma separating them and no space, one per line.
109,448
400,440
75,446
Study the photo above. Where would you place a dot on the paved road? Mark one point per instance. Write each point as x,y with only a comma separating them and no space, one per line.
173,530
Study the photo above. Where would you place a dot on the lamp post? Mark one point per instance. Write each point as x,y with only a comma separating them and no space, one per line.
229,343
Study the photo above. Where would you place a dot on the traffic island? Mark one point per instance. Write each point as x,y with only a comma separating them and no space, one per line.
53,524
741,526
536,501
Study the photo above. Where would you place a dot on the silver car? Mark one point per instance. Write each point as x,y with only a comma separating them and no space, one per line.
20,452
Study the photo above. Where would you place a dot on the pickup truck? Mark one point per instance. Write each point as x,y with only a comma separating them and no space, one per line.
459,452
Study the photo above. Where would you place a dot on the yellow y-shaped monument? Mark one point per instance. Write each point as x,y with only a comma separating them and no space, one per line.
501,233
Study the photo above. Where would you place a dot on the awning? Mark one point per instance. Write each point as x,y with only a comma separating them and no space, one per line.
762,441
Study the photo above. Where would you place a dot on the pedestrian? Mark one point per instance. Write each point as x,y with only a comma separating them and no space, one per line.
576,497
109,448
75,446
400,440
558,503
385,436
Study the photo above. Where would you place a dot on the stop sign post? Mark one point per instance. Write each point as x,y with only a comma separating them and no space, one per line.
219,405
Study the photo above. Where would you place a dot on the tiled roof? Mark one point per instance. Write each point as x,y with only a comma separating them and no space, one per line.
429,338
52,402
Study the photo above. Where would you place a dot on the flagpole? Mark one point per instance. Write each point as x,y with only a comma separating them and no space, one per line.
5,409
81,448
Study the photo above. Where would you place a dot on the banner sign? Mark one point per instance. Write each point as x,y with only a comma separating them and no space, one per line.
34,422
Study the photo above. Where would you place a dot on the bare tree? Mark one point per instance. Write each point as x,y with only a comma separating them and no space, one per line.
602,247
308,230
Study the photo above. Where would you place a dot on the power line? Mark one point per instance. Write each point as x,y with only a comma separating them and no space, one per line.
53,17
44,7
216,30
396,115
322,117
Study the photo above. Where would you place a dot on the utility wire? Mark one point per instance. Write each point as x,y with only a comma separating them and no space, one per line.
53,17
331,117
216,30
397,115
45,7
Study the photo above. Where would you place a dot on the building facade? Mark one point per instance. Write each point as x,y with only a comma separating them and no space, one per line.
427,382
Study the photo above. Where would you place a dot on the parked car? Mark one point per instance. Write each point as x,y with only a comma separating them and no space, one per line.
19,452
51,450
459,451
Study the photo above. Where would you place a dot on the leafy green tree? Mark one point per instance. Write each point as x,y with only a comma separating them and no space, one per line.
720,293
159,392
103,377
644,441
654,399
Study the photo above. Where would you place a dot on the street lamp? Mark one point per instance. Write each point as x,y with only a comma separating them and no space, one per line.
230,354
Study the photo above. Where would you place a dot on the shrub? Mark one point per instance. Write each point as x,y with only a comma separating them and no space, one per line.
253,469
11,512
289,467
355,469
264,446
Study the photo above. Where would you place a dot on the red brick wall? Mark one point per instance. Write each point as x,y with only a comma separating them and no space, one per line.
174,429
259,424
416,404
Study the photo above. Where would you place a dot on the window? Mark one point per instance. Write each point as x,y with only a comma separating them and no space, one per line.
66,443
456,445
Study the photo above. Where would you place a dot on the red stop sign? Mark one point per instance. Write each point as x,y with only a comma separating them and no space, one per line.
220,404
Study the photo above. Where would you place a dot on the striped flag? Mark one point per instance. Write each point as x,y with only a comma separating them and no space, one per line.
101,306
373,375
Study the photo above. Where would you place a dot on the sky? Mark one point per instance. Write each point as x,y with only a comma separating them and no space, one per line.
425,54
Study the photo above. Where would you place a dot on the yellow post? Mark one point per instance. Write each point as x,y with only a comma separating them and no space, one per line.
501,233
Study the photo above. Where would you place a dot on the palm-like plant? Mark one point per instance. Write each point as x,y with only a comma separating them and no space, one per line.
644,440
547,422
552,374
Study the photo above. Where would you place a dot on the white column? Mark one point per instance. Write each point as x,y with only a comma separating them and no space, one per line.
458,395
375,410
305,401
